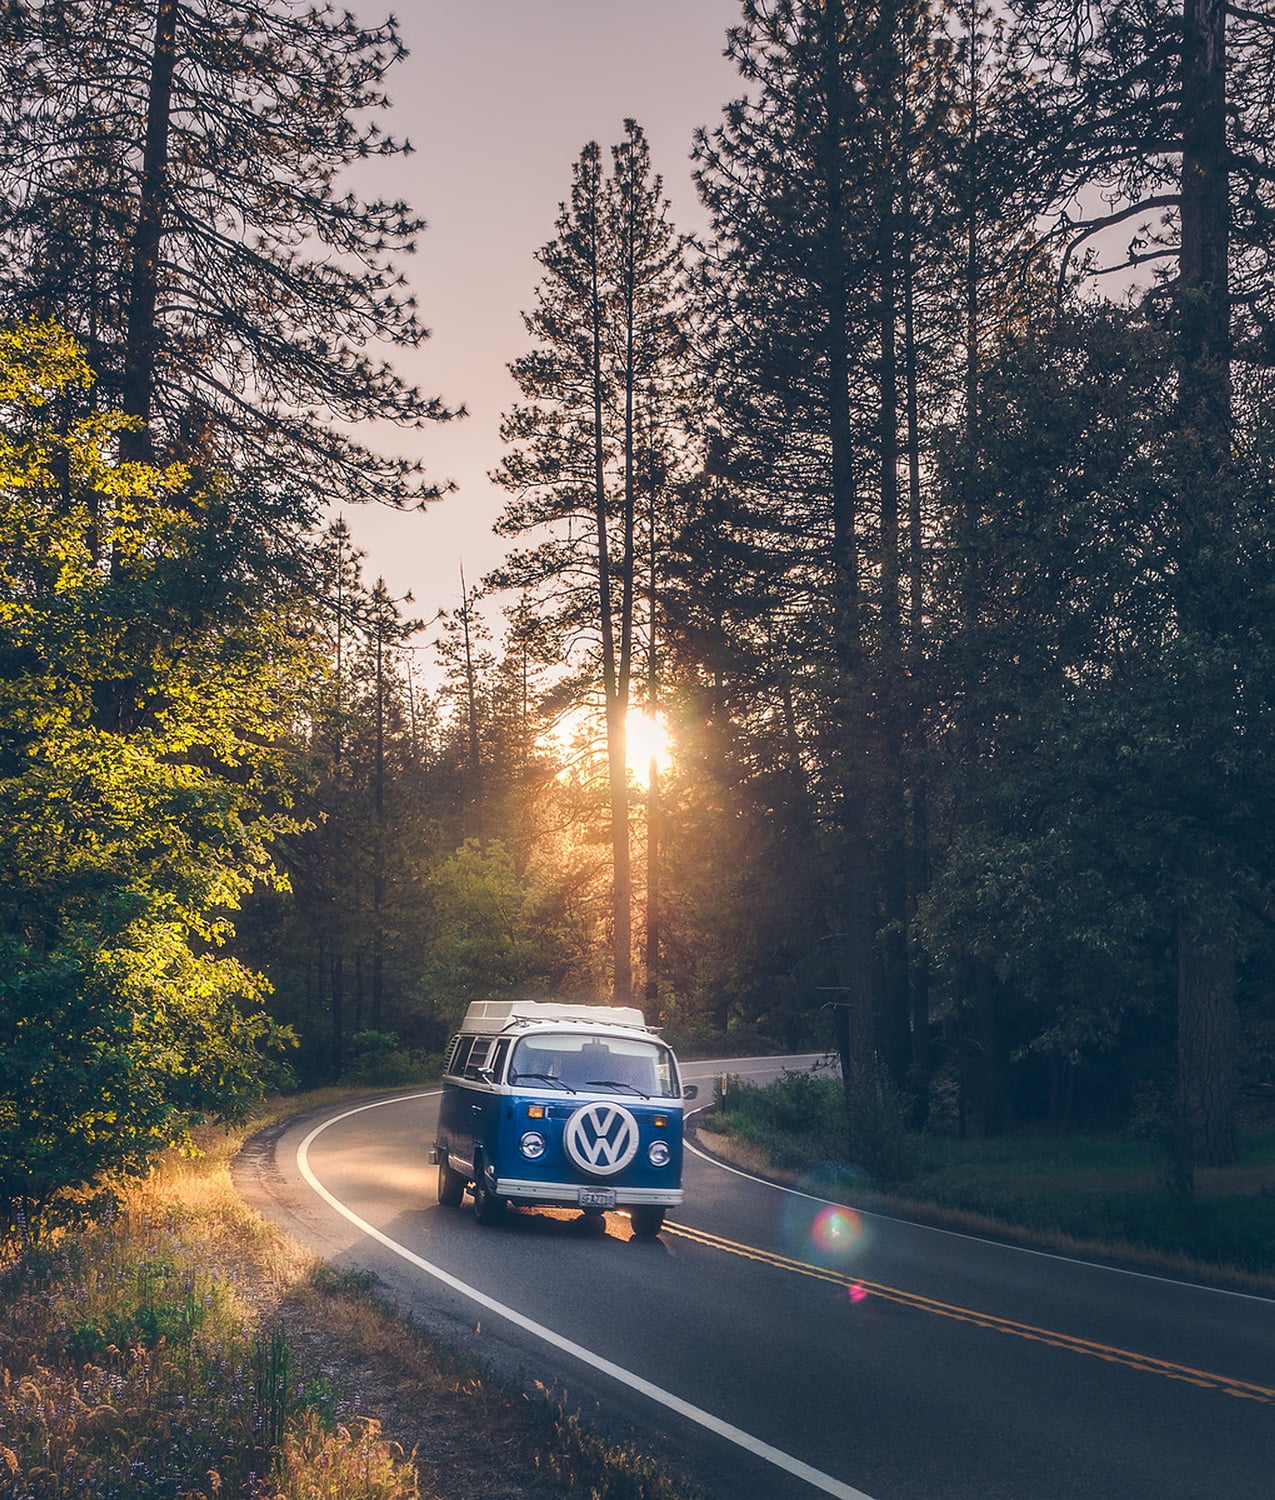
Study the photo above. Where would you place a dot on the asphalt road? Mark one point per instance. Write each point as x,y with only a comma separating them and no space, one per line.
773,1346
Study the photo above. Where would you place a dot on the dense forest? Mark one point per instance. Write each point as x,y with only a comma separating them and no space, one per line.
888,647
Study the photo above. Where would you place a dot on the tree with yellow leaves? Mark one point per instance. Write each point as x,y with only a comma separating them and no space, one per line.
144,696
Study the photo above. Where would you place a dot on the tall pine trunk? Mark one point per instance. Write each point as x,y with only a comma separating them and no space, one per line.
140,337
614,684
1207,1040
892,694
1206,959
651,988
990,1081
856,1015
918,831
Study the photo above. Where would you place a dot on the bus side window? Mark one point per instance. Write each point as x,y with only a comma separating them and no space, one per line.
463,1045
477,1059
496,1064
453,1053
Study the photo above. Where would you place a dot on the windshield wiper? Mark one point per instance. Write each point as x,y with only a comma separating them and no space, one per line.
544,1078
611,1083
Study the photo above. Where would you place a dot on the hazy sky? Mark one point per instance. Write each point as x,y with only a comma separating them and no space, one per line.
498,97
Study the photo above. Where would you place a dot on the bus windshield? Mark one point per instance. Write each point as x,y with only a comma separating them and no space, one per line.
596,1065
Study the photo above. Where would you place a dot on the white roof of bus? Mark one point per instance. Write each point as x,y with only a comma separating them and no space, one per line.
502,1015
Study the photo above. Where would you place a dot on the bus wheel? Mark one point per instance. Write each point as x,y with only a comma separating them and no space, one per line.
451,1184
488,1207
646,1221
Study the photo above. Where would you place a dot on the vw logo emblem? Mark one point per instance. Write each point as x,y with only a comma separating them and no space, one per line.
601,1139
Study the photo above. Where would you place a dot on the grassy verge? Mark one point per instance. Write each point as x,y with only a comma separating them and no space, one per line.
171,1345
1110,1196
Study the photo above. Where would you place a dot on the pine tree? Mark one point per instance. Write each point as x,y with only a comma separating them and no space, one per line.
817,351
1168,107
601,373
175,198
344,949
464,652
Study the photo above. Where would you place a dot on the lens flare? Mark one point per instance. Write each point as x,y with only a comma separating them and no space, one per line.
832,1235
837,1232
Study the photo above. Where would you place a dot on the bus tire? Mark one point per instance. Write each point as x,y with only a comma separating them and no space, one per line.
489,1209
451,1184
647,1221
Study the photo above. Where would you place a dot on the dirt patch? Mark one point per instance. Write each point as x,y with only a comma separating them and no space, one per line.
737,1153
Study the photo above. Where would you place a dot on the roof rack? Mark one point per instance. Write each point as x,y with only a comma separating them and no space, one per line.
504,1015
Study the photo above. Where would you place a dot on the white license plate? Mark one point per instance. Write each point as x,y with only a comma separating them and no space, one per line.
597,1197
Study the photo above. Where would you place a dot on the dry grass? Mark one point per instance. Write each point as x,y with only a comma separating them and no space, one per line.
741,1153
141,1362
179,1347
317,1464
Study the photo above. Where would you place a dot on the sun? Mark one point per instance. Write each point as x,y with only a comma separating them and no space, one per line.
578,738
647,740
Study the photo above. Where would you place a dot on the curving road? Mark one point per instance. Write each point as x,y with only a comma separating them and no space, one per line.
774,1346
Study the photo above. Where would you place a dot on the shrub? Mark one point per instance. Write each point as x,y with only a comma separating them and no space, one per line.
877,1135
804,1118
379,1062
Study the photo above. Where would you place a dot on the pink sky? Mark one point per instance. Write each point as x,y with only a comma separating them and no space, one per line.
498,97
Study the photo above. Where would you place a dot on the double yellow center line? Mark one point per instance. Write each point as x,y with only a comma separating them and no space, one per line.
1242,1389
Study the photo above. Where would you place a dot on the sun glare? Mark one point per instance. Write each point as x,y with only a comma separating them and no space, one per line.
578,739
647,739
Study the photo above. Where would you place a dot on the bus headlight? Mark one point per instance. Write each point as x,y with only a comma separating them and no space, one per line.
658,1153
532,1145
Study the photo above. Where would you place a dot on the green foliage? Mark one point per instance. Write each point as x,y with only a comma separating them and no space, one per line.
878,1139
1074,795
378,1060
344,948
482,943
155,1300
141,783
1109,1189
807,1118
743,907
798,1120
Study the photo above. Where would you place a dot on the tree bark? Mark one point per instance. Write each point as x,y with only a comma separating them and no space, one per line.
895,1037
653,809
856,1036
1206,1042
1207,1033
918,831
615,690
477,792
140,339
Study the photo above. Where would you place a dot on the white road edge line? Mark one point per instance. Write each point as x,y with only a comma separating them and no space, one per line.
741,1439
978,1239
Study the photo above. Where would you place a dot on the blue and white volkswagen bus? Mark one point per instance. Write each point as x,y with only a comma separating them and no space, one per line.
573,1106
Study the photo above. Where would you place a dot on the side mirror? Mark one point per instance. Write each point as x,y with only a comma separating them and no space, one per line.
690,1091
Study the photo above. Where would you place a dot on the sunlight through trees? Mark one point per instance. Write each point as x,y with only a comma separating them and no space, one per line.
885,662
